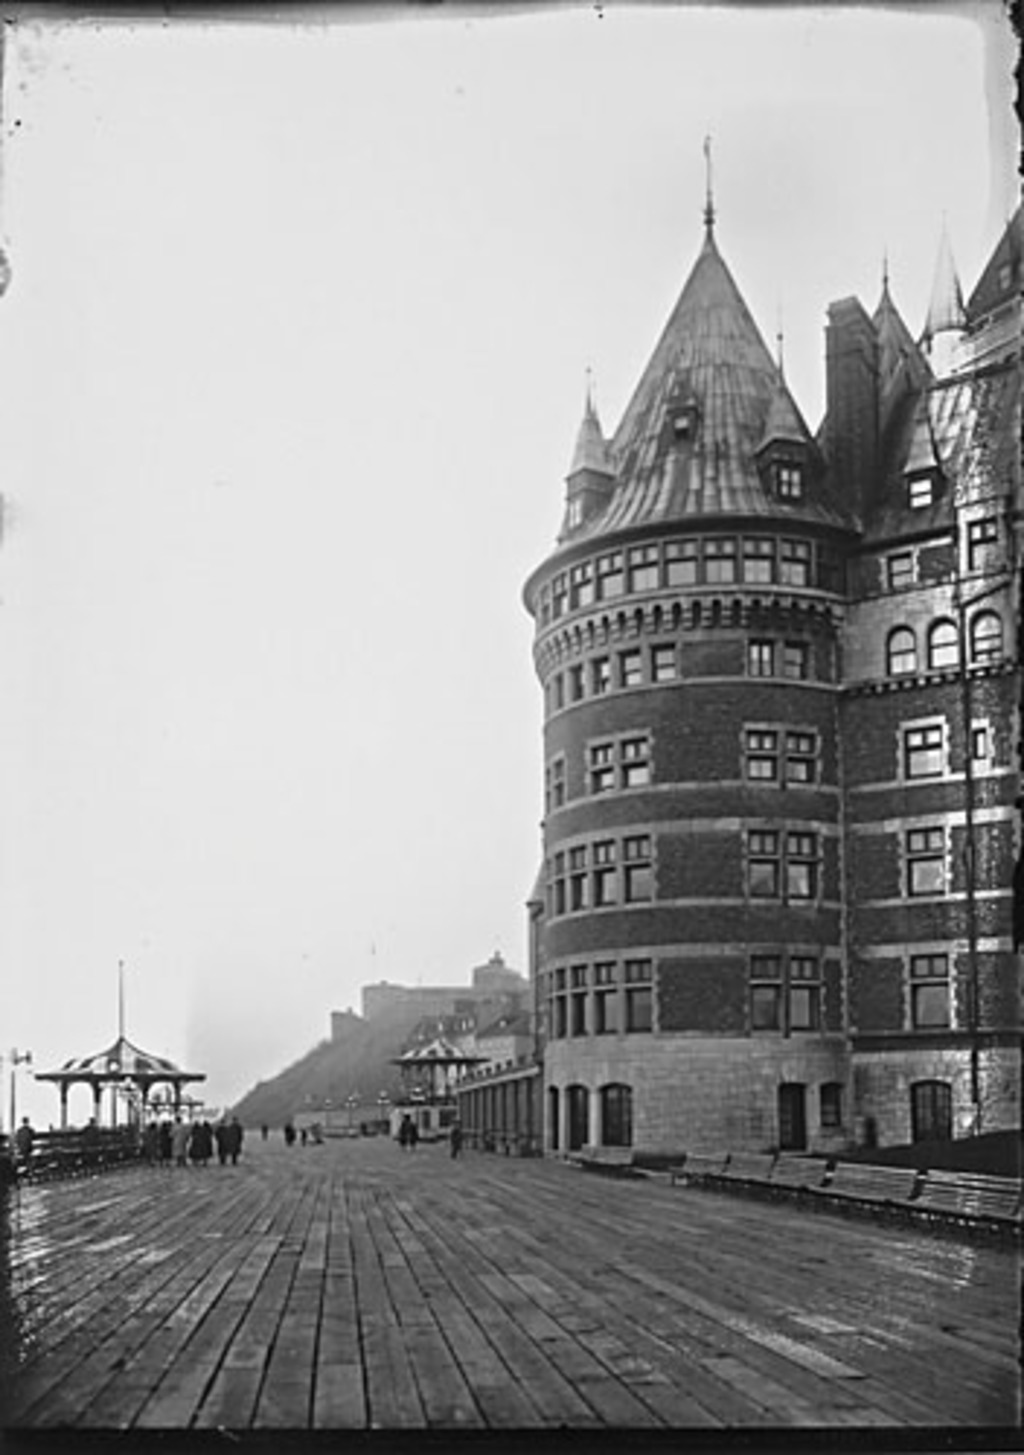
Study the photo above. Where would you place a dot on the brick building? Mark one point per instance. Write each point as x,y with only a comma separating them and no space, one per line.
781,737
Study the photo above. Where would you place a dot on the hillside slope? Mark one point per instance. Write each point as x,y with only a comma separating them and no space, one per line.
357,1063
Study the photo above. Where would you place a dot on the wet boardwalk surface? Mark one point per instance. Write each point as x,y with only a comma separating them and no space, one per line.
356,1286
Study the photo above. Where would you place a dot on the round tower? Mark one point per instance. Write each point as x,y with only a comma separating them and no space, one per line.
688,956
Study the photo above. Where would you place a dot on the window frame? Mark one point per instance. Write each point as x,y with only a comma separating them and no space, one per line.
924,852
924,977
949,647
900,658
930,750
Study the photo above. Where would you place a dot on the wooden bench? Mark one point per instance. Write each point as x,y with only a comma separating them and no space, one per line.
699,1167
874,1186
799,1174
971,1197
749,1168
616,1161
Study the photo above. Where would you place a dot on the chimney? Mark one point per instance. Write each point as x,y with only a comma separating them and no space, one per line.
851,423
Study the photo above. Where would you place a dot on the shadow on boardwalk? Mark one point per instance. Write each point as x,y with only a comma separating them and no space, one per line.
354,1286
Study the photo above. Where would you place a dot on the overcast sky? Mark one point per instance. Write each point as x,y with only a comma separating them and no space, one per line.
292,362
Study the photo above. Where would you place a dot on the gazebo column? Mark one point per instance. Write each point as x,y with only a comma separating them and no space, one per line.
63,1106
97,1093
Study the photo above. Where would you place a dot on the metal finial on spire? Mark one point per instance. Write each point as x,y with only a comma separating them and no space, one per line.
709,203
779,341
589,395
885,270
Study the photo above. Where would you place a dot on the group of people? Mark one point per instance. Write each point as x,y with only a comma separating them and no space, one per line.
183,1142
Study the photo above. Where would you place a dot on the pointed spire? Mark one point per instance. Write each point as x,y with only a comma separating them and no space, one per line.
120,1000
709,201
591,452
885,272
946,305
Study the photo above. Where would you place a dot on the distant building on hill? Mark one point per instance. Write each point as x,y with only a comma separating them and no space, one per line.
494,983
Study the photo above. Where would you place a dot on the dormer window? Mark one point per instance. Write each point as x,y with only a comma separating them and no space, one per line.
684,420
574,513
789,480
921,489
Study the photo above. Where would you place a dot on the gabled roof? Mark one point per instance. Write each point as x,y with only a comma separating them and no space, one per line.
712,360
439,1051
902,367
517,1023
968,428
1001,278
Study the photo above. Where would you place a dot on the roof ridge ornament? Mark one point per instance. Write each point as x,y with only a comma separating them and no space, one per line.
709,201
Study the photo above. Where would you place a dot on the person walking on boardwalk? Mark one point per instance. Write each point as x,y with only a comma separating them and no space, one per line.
179,1142
455,1138
151,1143
24,1138
234,1136
289,1134
220,1134
165,1143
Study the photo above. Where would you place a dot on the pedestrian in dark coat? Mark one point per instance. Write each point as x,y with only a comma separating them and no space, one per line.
455,1138
289,1134
234,1139
220,1136
164,1140
151,1143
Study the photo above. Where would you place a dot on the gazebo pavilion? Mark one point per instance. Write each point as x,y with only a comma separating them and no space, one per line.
120,1065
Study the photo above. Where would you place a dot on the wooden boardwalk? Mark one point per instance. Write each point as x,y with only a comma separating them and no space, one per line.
358,1286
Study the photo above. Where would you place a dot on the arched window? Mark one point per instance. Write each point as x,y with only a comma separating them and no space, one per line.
554,1110
943,645
901,652
986,637
577,1100
616,1115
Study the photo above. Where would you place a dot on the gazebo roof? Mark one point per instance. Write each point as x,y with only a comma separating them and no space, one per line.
121,1061
438,1052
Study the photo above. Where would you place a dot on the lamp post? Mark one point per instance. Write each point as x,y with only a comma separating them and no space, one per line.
17,1058
327,1116
351,1102
383,1102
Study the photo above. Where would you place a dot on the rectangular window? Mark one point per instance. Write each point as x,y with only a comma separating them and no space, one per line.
610,578
719,561
638,972
766,992
561,1015
804,993
899,570
638,871
920,491
643,568
681,563
604,973
578,977
762,755
979,742
581,580
929,992
795,563
576,683
982,540
555,796
559,595
635,762
831,1105
631,672
795,659
639,1009
558,885
801,757
663,663
578,1015
789,483
602,767
764,869
758,560
558,691
926,861
760,658
801,866
604,872
922,752
545,606
606,1021
600,675
578,878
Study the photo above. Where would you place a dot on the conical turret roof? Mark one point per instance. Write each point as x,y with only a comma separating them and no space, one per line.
946,304
712,365
591,452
